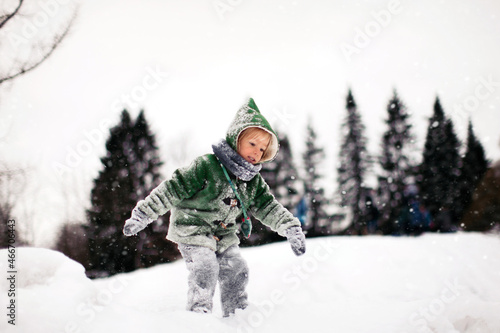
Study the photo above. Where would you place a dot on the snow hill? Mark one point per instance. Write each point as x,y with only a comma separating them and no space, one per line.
432,283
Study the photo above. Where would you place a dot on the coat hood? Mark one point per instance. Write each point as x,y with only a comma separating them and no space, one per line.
249,116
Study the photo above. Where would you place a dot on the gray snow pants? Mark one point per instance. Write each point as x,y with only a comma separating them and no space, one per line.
205,268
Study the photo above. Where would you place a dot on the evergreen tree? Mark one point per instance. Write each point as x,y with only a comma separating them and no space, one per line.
483,214
130,171
313,191
353,164
397,145
145,160
452,169
472,169
438,172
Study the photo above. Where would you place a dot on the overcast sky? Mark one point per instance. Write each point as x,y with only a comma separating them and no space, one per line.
190,65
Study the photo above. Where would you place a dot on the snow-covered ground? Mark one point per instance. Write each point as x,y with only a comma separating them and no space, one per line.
433,283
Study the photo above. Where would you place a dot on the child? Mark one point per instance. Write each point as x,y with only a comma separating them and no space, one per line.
208,199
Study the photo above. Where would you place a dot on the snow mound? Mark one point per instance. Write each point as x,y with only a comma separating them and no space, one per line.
48,286
433,283
43,267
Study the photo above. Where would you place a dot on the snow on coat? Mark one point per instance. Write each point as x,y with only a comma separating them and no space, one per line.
204,209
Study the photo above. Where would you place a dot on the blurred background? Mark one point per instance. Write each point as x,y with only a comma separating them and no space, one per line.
388,113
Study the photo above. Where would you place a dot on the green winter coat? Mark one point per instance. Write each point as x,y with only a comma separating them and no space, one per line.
204,209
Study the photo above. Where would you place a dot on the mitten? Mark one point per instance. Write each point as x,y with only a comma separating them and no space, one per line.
297,240
136,222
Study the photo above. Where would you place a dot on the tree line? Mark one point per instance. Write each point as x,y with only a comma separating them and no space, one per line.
130,169
445,179
442,183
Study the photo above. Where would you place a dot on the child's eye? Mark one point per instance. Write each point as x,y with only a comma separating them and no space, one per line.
252,144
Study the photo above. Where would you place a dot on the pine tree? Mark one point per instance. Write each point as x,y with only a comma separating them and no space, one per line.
438,172
397,145
130,171
472,169
430,179
313,191
353,164
483,214
145,159
452,168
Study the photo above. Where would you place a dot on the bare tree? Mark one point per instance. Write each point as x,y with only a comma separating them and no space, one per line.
11,184
29,35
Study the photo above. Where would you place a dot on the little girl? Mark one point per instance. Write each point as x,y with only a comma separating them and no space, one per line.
208,199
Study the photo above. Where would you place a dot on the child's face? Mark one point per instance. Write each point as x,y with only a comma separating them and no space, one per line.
253,147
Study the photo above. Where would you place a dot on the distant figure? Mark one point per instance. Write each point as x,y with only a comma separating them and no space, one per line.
411,191
371,217
420,218
404,220
301,211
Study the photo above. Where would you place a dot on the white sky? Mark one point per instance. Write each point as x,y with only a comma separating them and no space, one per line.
287,55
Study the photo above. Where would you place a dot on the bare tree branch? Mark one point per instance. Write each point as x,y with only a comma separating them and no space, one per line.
6,18
28,66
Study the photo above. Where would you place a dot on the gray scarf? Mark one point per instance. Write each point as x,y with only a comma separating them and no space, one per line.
236,164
